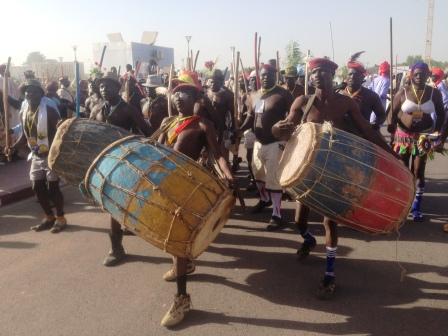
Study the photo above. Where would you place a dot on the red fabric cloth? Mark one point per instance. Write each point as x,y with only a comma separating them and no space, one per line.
438,75
384,69
322,63
357,66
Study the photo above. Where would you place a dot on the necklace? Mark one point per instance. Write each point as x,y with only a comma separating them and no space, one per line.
353,95
419,99
266,91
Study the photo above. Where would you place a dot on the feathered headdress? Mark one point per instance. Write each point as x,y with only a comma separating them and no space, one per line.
353,62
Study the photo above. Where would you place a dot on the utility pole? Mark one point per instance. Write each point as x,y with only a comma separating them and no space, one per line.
429,25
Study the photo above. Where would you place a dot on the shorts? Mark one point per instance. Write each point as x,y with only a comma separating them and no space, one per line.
39,170
265,163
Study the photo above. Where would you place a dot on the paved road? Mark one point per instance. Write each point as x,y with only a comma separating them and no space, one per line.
247,283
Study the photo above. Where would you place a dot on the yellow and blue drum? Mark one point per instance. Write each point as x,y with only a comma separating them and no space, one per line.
161,195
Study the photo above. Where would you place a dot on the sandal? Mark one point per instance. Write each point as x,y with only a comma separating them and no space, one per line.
46,224
59,225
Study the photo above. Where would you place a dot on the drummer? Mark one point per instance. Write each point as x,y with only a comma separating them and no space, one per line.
188,133
418,109
268,106
342,112
114,110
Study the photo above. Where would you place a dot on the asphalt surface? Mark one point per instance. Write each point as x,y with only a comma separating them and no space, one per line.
248,282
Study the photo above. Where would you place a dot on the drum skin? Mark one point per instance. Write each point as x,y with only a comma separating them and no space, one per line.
161,195
350,180
77,143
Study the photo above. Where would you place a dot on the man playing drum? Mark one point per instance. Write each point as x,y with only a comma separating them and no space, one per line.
267,107
189,134
341,111
119,113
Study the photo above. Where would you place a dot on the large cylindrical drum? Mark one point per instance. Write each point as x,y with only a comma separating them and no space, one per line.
161,195
346,178
77,143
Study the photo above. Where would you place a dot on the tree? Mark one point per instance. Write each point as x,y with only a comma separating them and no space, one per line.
294,55
34,57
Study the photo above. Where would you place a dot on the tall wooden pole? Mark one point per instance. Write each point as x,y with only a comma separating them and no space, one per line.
306,71
278,67
170,85
257,74
7,150
236,90
195,60
391,67
246,89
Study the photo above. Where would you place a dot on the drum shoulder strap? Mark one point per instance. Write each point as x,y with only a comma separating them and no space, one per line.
308,106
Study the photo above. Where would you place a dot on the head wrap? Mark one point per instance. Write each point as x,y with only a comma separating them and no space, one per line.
185,79
322,63
438,75
420,65
384,68
353,63
268,67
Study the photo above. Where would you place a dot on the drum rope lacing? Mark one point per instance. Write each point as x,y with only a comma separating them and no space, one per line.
143,175
305,191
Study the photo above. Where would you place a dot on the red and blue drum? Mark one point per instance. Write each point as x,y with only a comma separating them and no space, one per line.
346,178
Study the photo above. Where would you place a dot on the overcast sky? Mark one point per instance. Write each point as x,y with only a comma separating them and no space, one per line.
53,27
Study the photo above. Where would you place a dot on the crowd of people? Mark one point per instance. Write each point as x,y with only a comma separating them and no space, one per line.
204,124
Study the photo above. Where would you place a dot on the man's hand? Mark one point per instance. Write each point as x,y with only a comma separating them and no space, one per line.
283,129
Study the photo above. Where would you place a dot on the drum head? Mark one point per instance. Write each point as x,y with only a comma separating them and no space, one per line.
297,155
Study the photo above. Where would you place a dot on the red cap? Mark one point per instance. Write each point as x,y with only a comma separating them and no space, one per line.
322,63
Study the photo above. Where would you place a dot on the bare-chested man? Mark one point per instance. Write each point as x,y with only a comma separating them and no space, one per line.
222,112
155,106
189,134
341,111
268,106
368,101
117,112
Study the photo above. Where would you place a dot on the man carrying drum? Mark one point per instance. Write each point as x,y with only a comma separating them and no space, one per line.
418,109
114,110
342,112
267,107
189,134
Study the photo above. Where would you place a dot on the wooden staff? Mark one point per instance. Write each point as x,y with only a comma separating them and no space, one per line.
119,71
306,71
191,59
170,85
102,57
78,90
246,89
278,67
236,92
7,150
195,60
391,68
257,75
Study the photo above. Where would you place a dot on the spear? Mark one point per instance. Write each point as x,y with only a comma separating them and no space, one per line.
278,67
6,110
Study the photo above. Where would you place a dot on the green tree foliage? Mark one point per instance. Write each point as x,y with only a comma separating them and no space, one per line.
35,57
411,59
294,55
